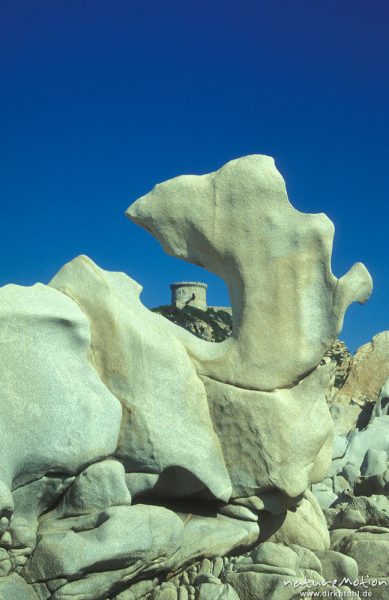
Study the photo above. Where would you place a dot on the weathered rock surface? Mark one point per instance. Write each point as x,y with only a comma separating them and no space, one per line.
345,417
163,412
239,224
304,526
258,456
337,566
367,372
92,555
209,591
141,462
14,587
98,487
57,415
360,456
370,550
357,512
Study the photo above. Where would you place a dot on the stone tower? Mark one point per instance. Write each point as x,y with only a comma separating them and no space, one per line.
189,293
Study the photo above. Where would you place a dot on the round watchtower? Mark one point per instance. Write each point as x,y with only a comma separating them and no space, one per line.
189,293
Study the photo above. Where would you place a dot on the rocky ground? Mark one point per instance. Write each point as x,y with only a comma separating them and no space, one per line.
354,496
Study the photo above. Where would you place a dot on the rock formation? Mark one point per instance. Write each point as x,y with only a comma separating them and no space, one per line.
140,461
367,372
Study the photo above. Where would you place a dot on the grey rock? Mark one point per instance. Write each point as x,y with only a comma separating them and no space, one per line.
205,567
373,485
349,519
306,559
206,578
150,440
5,562
96,488
14,587
339,446
115,538
166,594
255,586
270,253
377,586
359,511
30,501
130,541
341,485
381,407
209,591
139,589
369,550
375,462
336,566
351,473
48,357
277,555
345,417
243,422
305,526
217,566
104,401
375,436
182,593
323,492
191,592
140,483
184,578
262,568
238,512
126,595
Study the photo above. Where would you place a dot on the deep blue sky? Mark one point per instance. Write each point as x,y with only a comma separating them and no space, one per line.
101,99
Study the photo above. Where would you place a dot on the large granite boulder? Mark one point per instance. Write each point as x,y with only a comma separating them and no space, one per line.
238,223
275,260
56,414
166,428
134,449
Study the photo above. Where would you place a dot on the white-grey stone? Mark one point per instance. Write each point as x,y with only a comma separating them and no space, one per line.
359,511
305,526
209,591
336,566
14,587
261,456
369,550
182,593
375,462
324,493
98,487
124,542
57,415
276,555
275,260
345,417
140,483
258,586
166,427
104,402
167,593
